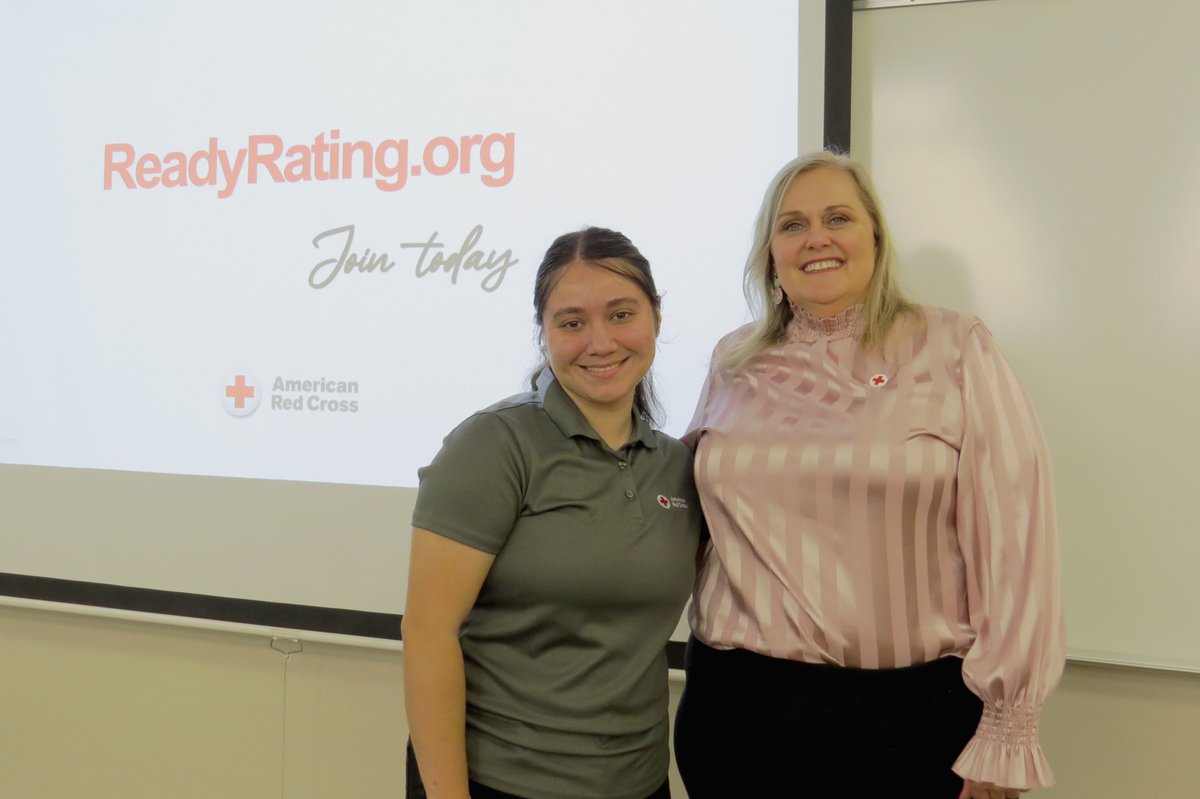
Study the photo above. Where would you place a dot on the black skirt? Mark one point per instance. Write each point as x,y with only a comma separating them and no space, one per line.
755,726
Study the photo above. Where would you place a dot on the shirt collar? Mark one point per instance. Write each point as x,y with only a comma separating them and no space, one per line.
808,329
566,415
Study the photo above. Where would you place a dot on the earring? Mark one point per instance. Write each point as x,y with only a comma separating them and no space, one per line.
776,290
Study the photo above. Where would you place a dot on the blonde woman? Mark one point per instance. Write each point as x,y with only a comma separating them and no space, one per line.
879,612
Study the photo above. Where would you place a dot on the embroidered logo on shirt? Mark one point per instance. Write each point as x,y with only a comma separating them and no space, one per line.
673,502
879,380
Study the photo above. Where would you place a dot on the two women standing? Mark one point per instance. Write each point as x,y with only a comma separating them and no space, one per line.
879,606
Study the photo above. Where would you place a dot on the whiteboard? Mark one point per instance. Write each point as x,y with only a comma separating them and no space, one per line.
1040,166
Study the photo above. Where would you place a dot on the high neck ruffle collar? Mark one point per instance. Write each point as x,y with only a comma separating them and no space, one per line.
808,329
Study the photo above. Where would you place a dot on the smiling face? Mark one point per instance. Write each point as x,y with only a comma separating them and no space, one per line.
599,330
823,243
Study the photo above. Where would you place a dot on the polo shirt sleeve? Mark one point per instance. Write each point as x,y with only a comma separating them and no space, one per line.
474,489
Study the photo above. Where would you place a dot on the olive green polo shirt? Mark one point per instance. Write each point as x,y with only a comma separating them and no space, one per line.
595,557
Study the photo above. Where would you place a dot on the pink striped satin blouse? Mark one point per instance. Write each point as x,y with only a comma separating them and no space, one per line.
878,510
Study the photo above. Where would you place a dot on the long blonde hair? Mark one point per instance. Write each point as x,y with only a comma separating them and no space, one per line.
884,301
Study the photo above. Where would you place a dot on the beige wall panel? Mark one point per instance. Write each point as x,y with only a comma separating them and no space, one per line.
1119,732
108,709
346,729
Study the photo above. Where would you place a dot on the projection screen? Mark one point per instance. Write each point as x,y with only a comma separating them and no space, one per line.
262,257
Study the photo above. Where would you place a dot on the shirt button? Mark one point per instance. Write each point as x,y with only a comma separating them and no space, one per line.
628,494
621,464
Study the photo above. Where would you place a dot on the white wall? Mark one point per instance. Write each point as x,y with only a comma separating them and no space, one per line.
105,708
108,709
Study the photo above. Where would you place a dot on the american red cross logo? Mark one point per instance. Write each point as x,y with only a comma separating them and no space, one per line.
879,380
239,392
666,503
241,397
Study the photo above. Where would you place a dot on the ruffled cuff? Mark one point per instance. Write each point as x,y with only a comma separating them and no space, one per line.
1005,750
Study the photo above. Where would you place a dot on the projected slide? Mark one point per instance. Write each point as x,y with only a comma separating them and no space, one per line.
297,242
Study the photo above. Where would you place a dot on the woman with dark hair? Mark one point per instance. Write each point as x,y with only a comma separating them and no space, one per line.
880,609
553,550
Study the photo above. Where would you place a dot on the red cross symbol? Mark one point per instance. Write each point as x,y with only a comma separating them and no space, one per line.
666,503
239,392
879,380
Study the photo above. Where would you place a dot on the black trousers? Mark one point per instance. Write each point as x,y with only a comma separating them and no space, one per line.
416,789
483,792
755,726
